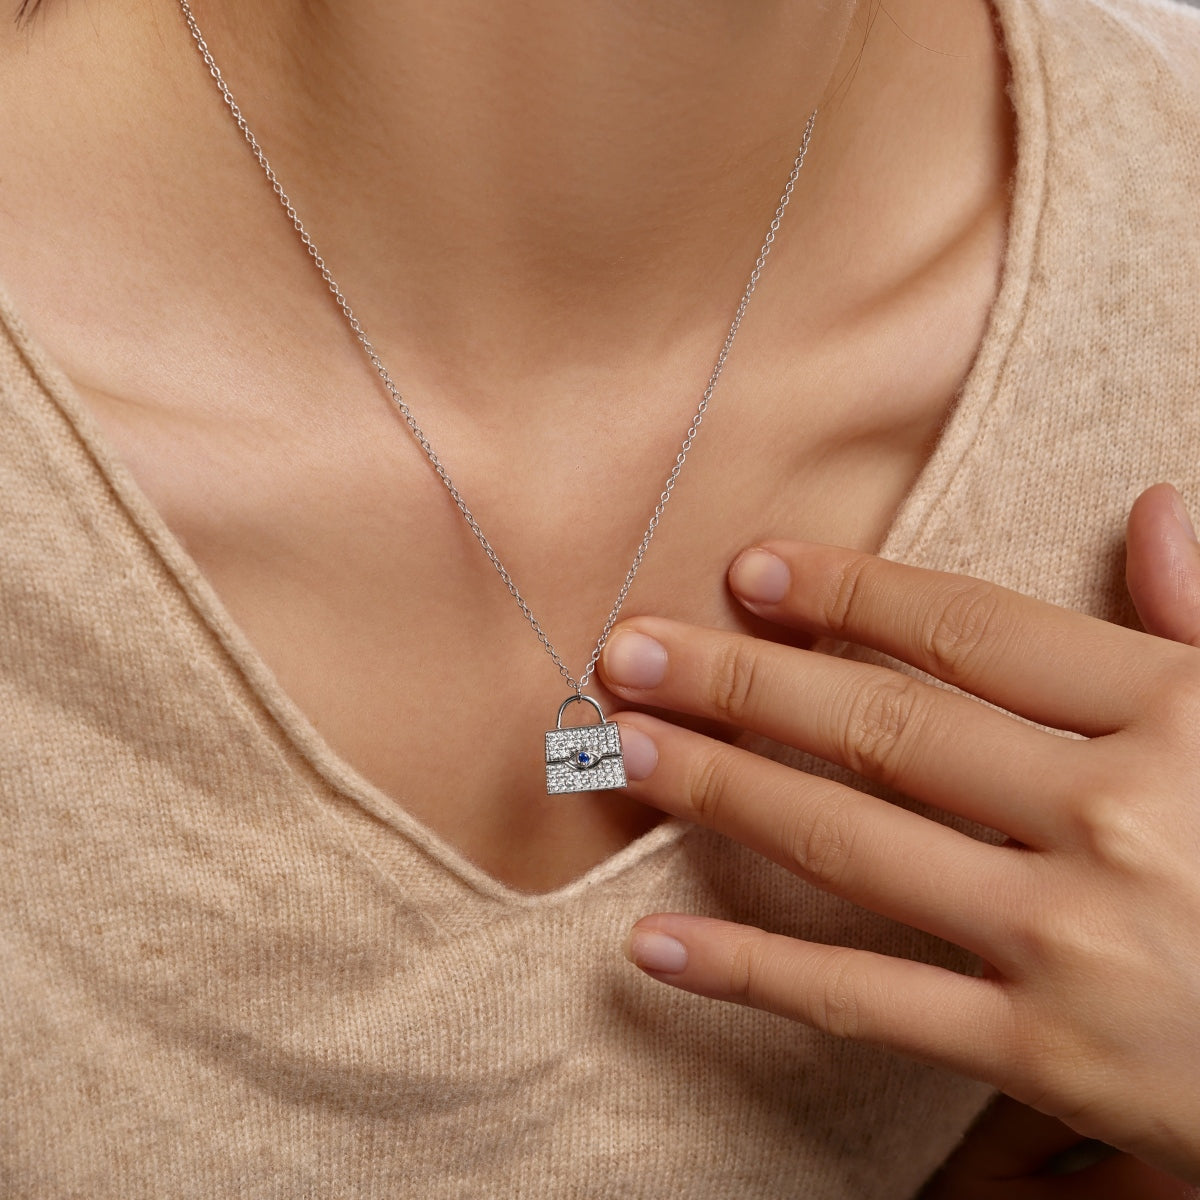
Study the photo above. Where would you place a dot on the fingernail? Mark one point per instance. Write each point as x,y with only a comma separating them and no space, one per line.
634,660
760,577
654,951
1181,515
638,752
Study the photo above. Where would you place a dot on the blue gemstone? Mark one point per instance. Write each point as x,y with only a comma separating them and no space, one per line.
584,758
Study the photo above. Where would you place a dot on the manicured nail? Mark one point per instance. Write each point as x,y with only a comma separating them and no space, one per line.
638,752
760,577
654,951
1181,515
634,660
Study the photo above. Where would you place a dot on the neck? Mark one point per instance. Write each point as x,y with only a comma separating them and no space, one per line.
549,166
539,190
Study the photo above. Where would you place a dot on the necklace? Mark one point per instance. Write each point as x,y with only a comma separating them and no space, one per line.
580,758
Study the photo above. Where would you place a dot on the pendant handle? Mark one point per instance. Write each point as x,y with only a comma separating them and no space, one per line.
562,708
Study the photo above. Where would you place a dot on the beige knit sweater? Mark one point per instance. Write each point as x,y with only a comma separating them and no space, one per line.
230,967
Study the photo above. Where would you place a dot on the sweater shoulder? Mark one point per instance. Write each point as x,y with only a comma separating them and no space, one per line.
1140,56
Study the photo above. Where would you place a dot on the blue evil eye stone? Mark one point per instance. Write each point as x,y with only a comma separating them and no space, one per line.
585,758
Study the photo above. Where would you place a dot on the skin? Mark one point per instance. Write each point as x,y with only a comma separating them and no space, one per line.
568,241
1084,917
535,226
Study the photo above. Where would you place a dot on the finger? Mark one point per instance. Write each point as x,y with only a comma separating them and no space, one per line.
1053,666
926,1012
1162,565
857,846
922,740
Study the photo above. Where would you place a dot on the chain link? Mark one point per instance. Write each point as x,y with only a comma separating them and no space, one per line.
577,685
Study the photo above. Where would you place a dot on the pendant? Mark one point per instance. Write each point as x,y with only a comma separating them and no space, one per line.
583,758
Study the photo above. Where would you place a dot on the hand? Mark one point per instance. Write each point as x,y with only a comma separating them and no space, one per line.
1087,918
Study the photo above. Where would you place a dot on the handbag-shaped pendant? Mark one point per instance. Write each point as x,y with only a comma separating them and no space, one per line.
583,758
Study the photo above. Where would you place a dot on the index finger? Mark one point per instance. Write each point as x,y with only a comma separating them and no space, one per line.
1056,667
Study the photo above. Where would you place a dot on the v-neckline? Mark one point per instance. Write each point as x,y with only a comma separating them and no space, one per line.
963,427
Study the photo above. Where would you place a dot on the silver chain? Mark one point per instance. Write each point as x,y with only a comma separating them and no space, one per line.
693,429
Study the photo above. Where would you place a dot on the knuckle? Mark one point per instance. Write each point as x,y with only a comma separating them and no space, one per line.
846,596
1070,937
837,999
880,725
1116,827
733,679
707,785
1038,937
954,633
745,969
1175,703
1037,1058
819,845
1038,1064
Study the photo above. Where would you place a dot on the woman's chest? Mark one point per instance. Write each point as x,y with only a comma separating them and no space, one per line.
357,580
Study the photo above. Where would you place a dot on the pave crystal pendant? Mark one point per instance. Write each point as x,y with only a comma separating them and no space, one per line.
583,758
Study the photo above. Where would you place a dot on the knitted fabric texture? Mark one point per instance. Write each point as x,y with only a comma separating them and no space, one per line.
232,968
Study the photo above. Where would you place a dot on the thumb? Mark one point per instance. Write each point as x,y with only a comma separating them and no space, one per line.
1162,565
